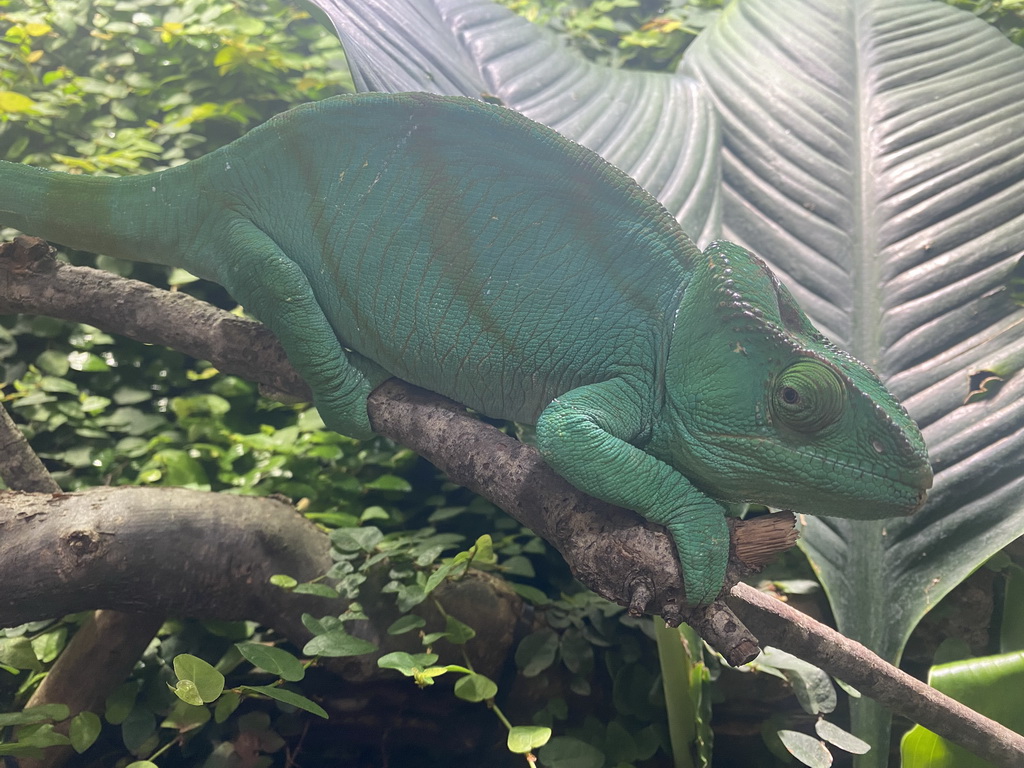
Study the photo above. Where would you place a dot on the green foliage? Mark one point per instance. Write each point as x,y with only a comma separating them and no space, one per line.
991,685
1006,15
817,697
652,35
141,84
686,681
638,34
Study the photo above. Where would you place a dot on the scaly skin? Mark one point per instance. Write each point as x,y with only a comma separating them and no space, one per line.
470,251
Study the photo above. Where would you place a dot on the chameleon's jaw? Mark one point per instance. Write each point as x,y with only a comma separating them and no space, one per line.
924,478
901,498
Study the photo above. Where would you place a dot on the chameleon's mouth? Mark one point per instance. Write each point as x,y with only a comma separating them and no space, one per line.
918,482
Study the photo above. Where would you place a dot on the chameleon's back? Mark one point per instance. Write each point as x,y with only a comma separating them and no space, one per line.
500,273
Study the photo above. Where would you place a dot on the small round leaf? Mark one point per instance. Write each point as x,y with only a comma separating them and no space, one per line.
84,730
837,737
807,749
475,687
274,660
209,683
526,738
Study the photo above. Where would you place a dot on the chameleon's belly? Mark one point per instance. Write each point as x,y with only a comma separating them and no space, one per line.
484,333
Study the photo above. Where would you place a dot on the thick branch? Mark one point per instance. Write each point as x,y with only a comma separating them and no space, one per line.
110,641
166,550
179,552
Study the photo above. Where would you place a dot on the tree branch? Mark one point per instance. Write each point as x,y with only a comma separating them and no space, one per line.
110,641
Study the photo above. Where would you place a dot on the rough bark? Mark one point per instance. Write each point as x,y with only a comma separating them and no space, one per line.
104,651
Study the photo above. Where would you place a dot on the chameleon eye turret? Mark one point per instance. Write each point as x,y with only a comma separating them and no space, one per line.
808,397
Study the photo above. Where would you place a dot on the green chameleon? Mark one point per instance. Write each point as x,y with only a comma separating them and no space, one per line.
468,250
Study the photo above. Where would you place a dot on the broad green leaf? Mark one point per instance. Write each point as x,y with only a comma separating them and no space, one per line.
137,728
17,652
526,738
892,205
991,685
475,687
315,588
807,749
577,652
655,126
353,539
48,645
337,643
811,686
439,575
44,713
687,693
12,102
273,660
120,703
287,697
42,736
284,581
389,483
53,362
456,632
209,683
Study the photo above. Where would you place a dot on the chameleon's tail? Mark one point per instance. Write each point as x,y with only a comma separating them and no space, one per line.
129,217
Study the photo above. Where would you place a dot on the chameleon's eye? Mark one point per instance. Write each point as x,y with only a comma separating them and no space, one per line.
808,396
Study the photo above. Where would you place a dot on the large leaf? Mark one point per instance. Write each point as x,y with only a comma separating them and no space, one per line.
991,685
657,127
874,155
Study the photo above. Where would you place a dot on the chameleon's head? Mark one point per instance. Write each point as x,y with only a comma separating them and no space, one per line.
763,408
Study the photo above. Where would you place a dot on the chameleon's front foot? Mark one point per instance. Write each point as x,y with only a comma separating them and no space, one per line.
703,547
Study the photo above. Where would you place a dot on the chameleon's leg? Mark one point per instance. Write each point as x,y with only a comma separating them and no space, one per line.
273,288
584,436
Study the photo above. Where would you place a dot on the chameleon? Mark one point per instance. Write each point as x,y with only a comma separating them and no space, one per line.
470,251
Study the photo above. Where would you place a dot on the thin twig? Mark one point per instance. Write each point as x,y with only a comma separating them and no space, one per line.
786,628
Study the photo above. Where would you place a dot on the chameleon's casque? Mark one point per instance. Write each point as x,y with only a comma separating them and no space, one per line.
466,249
